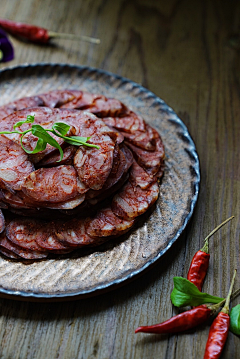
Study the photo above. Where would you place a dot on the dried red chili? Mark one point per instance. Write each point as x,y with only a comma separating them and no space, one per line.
219,330
200,262
38,34
183,321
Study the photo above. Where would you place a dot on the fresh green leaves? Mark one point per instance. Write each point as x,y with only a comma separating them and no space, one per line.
59,129
186,293
30,119
43,139
235,320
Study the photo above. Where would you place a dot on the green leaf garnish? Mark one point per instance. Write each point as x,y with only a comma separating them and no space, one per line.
30,119
186,293
59,129
235,320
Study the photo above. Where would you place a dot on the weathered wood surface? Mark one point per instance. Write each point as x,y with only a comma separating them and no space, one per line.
185,52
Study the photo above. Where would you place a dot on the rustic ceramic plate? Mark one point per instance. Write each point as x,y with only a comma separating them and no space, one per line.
91,271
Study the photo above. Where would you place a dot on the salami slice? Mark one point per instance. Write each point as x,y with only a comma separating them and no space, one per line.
6,244
14,164
49,241
73,233
106,224
56,184
54,158
24,233
7,253
132,201
96,104
141,178
94,165
151,161
128,122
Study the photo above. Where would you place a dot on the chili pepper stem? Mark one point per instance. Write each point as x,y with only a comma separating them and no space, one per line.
205,247
226,306
61,35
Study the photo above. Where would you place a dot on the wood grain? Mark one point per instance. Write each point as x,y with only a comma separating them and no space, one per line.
183,52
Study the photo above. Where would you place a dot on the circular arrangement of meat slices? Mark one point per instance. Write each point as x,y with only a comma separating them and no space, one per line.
91,194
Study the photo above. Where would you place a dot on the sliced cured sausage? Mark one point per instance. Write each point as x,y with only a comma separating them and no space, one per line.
129,122
14,249
24,232
7,253
132,201
54,158
96,104
73,233
14,164
151,161
139,177
49,241
57,184
94,165
106,224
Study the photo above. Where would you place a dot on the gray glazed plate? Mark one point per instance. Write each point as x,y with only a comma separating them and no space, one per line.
92,271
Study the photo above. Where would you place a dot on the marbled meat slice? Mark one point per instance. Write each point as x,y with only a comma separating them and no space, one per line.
143,139
14,164
57,98
151,161
49,241
56,184
25,102
96,104
139,177
70,204
7,253
14,249
14,200
129,122
54,158
24,233
94,165
106,224
73,233
132,201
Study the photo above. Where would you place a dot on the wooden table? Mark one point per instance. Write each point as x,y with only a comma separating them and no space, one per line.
187,53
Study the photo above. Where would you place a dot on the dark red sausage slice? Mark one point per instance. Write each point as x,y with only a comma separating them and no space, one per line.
132,201
49,241
7,253
94,165
24,233
56,184
5,243
106,224
14,164
73,233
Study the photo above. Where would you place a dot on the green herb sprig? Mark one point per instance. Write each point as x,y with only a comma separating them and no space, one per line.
186,293
59,129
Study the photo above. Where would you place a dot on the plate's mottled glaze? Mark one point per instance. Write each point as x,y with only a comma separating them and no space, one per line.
91,271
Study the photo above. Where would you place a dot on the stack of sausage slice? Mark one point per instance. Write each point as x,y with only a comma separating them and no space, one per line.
92,194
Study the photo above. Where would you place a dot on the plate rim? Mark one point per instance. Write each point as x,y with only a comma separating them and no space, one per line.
24,295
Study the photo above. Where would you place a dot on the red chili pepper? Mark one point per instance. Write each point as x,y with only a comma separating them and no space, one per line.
180,322
38,34
219,330
28,32
200,262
